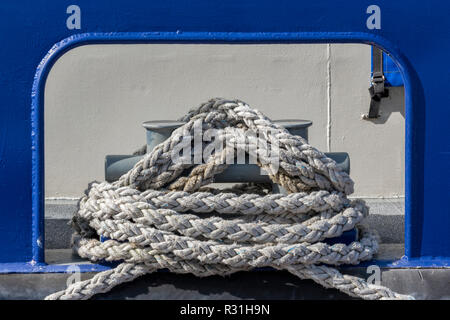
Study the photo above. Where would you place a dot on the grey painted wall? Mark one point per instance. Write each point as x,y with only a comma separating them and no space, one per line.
97,96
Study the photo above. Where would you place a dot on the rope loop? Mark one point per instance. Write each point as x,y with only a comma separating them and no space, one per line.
161,213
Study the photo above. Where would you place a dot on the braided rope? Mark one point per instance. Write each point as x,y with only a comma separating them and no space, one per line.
155,217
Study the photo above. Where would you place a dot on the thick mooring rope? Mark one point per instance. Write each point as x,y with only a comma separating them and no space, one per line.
156,218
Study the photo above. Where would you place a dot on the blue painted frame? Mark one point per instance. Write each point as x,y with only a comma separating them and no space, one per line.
31,27
392,74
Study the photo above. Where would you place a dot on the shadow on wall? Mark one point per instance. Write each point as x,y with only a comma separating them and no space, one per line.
392,104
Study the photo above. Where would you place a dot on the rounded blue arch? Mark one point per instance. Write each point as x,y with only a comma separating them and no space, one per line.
60,48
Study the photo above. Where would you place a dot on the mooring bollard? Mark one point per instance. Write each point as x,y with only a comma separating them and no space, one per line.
158,131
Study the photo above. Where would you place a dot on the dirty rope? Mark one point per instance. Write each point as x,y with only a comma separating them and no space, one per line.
158,217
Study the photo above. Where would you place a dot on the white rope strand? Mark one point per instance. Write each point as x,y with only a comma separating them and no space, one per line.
155,216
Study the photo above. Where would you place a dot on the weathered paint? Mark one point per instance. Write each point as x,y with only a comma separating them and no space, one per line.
414,33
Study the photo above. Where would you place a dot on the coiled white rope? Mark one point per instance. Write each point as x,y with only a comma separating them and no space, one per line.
155,218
